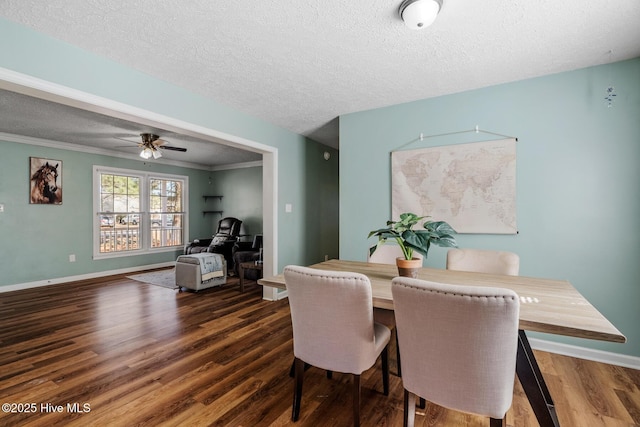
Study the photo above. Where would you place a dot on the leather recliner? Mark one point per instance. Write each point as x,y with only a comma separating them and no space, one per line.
222,242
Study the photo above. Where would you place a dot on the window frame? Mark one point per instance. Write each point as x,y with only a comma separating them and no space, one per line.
145,230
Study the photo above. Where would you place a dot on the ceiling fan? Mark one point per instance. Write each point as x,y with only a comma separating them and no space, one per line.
152,144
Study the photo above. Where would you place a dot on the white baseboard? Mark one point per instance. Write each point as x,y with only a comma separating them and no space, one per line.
282,295
57,281
610,358
273,294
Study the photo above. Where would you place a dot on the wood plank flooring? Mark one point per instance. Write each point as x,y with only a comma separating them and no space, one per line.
116,352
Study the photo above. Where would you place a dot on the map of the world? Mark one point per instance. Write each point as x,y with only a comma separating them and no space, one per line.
471,186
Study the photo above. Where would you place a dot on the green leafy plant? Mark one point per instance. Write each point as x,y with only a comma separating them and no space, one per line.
435,232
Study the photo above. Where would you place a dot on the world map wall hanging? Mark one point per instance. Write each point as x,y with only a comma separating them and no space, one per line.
471,186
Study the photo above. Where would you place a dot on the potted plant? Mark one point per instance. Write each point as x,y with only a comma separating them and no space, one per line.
435,232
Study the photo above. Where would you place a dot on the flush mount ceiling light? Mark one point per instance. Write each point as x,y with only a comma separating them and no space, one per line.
418,14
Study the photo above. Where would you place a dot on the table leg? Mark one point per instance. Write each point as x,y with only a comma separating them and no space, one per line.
534,385
241,274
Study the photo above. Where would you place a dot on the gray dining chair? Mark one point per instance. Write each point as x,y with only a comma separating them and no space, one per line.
483,261
387,254
333,328
459,346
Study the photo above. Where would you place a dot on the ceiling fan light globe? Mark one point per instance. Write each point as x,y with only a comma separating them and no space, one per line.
156,154
419,14
146,154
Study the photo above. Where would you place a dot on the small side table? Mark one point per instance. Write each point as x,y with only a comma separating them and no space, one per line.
249,265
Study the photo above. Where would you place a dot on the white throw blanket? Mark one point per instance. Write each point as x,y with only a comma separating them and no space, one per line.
211,265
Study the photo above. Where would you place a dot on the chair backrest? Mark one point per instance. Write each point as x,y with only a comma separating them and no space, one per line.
229,226
483,261
387,254
257,242
332,316
458,344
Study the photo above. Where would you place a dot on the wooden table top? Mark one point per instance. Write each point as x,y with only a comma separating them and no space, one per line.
550,306
251,265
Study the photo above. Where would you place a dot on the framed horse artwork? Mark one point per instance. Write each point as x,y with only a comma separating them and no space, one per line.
46,181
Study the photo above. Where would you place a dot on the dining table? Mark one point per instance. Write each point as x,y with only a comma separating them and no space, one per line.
546,305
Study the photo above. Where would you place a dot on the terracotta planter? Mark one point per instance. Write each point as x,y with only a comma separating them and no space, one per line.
409,268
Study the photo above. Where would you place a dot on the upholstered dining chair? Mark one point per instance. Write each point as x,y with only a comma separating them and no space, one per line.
333,328
483,261
459,346
387,254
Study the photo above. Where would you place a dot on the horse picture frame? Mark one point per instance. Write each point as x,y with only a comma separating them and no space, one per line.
45,177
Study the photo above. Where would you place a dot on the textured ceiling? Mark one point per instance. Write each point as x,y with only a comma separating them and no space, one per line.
300,64
49,121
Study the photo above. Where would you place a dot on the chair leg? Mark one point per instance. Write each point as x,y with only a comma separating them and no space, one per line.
385,370
356,400
409,408
398,355
292,371
497,422
297,389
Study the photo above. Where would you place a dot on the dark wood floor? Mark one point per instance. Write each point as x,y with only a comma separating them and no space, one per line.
138,354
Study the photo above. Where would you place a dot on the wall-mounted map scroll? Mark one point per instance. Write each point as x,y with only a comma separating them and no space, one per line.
471,186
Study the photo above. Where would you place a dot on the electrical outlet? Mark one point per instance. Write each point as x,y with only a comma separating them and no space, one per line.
1,207
72,258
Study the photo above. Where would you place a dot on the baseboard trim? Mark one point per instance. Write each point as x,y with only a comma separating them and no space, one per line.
59,280
273,294
282,295
610,358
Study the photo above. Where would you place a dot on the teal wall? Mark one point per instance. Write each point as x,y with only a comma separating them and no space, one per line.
578,180
320,203
242,197
36,240
313,197
34,54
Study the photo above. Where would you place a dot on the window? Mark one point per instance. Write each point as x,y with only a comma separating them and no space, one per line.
165,201
119,206
137,212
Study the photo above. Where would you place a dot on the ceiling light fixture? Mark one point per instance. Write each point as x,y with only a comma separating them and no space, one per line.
149,149
148,152
145,153
419,14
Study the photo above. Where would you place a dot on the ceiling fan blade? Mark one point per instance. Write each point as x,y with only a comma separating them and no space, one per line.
151,141
169,147
132,140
